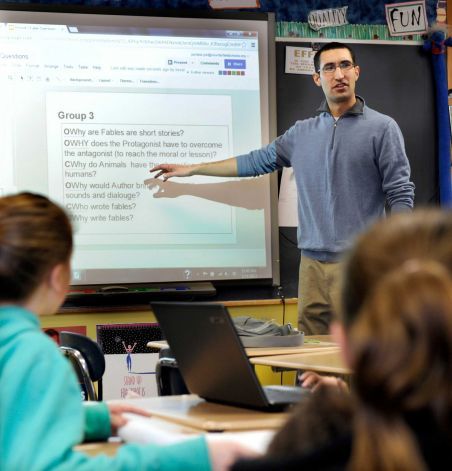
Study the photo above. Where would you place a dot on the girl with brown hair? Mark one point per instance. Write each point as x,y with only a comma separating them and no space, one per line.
41,415
396,335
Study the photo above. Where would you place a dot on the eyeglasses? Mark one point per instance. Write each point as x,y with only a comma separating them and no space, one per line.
330,68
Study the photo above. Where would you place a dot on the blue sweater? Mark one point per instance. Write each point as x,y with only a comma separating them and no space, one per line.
345,171
41,416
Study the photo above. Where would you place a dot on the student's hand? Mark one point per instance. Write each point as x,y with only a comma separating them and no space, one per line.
172,170
117,418
313,381
223,453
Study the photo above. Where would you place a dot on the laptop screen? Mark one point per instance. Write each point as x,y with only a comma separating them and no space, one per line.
209,352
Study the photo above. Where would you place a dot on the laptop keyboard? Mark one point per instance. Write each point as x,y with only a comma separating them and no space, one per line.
284,394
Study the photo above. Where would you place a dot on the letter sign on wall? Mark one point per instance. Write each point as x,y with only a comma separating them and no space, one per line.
406,18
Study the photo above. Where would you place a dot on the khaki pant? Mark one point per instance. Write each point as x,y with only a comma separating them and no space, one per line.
318,292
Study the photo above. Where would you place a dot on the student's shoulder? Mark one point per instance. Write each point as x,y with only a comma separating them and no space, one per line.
36,347
32,356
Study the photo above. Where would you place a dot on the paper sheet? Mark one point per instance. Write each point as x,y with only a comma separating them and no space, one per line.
287,207
143,430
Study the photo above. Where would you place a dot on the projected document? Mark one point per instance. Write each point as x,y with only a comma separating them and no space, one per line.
102,145
90,103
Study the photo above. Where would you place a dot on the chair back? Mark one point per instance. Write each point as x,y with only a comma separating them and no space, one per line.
87,359
168,377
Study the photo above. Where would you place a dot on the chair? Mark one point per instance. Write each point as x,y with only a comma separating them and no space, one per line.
169,379
88,361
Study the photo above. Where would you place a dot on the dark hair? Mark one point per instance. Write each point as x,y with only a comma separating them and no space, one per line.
35,235
330,47
397,311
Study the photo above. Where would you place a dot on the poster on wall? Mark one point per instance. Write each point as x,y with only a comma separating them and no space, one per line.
129,363
319,19
406,18
299,60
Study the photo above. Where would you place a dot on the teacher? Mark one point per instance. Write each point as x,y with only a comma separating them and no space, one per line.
349,163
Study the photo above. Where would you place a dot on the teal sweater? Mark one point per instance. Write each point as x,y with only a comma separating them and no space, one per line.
345,171
41,414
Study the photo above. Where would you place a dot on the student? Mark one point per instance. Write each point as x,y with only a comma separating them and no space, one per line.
41,415
348,162
396,335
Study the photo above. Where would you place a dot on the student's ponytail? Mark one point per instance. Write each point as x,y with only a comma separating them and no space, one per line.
401,351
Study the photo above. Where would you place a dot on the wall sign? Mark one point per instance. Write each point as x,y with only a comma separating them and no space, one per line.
299,60
129,363
406,18
319,19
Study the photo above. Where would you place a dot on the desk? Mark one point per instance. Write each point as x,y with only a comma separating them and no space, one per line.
323,361
192,411
250,428
311,343
110,448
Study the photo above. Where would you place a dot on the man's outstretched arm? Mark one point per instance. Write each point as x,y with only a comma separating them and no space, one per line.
220,168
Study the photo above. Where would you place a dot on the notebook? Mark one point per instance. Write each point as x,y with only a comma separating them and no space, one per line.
212,360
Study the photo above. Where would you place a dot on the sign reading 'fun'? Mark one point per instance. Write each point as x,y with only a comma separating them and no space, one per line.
406,18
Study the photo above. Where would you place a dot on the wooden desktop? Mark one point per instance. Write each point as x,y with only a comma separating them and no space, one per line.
311,343
189,415
327,360
192,411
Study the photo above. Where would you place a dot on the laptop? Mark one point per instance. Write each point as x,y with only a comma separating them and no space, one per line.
212,359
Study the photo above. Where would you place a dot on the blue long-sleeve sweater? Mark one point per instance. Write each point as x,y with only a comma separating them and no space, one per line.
345,171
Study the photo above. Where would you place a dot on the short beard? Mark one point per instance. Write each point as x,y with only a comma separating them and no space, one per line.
340,99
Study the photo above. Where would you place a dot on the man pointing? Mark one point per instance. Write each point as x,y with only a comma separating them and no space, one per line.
349,162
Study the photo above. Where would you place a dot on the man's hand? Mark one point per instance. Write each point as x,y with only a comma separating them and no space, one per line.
172,170
218,168
117,418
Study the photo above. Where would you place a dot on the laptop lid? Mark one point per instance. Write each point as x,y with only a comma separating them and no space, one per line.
209,352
